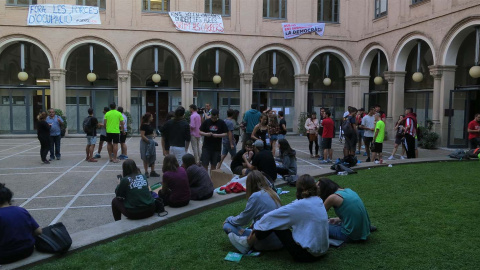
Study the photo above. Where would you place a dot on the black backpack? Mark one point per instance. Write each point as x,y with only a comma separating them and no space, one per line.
87,124
347,128
54,239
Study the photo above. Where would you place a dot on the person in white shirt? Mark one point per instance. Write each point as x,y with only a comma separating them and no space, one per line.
368,125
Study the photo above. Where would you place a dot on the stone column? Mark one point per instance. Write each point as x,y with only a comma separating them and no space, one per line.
355,89
245,92
396,93
124,89
57,89
187,88
444,81
390,78
301,97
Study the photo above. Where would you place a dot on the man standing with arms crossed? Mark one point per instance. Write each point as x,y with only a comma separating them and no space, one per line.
114,125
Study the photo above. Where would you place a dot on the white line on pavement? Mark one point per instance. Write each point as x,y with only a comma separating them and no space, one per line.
67,196
16,146
19,153
73,207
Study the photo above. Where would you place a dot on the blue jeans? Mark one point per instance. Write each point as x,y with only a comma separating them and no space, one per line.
280,136
229,228
335,232
55,146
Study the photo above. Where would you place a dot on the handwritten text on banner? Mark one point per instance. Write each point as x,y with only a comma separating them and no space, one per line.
197,22
62,15
293,30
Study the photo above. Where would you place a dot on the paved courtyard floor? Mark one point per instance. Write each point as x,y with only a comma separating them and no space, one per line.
79,193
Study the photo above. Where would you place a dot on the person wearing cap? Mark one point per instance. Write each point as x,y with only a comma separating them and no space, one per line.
360,131
213,130
238,165
263,161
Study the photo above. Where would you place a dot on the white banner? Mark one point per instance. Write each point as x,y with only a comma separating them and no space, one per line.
293,30
62,15
197,22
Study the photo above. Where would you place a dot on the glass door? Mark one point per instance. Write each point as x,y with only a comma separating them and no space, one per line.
457,122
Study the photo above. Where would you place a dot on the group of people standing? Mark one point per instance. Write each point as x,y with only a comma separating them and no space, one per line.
49,134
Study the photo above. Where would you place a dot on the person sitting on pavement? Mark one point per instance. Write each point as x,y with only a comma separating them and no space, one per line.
353,222
201,186
133,198
261,199
287,159
301,226
18,229
262,161
175,191
239,165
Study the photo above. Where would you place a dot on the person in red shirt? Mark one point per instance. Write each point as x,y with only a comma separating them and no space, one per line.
474,132
327,135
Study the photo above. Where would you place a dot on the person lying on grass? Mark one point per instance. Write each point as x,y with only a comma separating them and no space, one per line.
352,223
301,226
261,200
133,198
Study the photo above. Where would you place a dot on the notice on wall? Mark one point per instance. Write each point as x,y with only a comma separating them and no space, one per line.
197,22
293,30
53,15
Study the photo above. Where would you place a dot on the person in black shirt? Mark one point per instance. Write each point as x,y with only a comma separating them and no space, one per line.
238,165
263,161
213,130
43,135
176,134
91,136
147,145
283,125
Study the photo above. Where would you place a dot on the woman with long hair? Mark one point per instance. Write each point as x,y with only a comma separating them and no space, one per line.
399,136
18,229
288,159
43,135
201,186
301,226
175,189
352,223
260,131
312,125
133,198
261,199
273,130
147,145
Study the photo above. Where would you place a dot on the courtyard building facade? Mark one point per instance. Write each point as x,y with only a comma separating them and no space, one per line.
371,52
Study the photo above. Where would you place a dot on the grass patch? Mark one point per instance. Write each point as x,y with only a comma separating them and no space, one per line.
426,214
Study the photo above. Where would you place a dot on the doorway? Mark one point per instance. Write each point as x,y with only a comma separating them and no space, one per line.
463,105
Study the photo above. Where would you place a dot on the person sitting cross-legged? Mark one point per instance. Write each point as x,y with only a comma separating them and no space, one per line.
288,159
175,191
201,186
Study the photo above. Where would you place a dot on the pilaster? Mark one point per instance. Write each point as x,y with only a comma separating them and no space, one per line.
124,89
355,89
57,89
301,97
187,88
245,92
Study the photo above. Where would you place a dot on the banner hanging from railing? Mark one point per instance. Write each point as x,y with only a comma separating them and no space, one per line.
197,22
293,30
52,15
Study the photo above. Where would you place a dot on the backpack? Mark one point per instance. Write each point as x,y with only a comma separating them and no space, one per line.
54,239
87,124
347,128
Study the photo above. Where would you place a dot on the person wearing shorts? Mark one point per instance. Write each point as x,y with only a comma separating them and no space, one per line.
368,125
114,125
103,134
213,129
91,136
327,135
228,142
378,139
123,136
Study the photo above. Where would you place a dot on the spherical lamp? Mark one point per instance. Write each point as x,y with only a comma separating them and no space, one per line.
156,78
91,77
417,77
23,76
474,72
378,80
274,80
217,79
327,81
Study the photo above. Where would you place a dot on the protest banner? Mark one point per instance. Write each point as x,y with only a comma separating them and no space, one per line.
197,22
293,30
51,14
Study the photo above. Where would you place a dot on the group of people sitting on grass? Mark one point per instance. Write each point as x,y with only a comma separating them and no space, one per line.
301,227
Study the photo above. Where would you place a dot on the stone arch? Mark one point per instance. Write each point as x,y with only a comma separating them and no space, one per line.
222,45
405,45
339,53
368,54
289,52
72,45
454,38
9,40
155,42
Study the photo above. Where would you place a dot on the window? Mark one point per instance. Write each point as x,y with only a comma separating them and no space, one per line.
94,3
156,5
380,8
328,11
221,7
16,100
73,101
416,1
233,101
21,2
274,9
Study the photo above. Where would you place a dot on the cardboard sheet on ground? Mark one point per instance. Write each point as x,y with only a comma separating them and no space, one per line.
220,178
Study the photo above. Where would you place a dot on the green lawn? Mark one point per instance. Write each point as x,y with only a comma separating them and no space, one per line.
427,217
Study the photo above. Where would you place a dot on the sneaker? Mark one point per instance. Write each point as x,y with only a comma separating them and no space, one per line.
391,158
97,156
58,158
46,162
402,157
372,228
146,175
365,154
363,146
377,162
329,160
325,161
357,152
154,174
51,159
125,157
239,242
368,160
